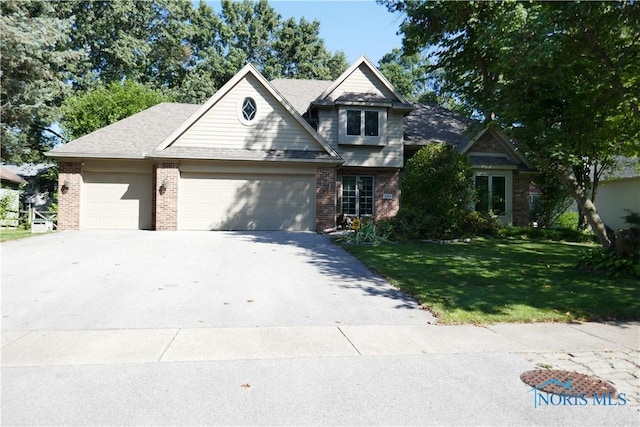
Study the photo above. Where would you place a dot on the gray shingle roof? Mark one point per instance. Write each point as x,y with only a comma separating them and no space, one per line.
300,93
131,137
433,123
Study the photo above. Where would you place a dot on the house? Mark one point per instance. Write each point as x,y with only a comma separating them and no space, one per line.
36,193
280,155
619,192
10,185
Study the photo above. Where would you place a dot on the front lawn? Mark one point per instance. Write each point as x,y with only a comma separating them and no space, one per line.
489,280
13,234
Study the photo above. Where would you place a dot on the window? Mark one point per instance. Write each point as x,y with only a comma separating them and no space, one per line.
249,109
357,195
491,193
367,127
354,119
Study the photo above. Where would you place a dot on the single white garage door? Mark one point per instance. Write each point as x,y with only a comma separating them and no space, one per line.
209,201
120,201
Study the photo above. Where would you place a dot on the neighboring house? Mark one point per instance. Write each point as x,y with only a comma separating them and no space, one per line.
10,184
618,192
34,195
281,155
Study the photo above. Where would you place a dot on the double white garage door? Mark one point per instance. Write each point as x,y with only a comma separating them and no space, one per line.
206,201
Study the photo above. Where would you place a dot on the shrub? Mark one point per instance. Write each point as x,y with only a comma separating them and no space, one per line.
599,259
480,224
568,220
552,202
435,194
554,234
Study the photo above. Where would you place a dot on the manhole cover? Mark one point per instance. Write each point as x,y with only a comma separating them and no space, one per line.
565,382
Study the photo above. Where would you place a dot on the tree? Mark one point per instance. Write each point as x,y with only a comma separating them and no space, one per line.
409,74
300,52
562,78
99,107
35,66
124,39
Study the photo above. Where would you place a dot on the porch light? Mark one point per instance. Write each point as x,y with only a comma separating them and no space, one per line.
163,187
65,186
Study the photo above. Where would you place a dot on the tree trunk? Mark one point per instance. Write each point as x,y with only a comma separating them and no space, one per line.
585,205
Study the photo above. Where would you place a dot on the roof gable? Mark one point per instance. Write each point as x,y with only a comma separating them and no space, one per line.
499,143
218,124
362,77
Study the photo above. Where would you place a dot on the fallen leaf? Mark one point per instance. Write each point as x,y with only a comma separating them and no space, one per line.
227,303
249,300
247,385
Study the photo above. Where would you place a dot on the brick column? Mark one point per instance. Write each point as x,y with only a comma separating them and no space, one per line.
69,185
325,198
387,183
521,214
167,177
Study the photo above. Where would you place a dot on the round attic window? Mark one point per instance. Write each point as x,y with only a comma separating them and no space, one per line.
249,109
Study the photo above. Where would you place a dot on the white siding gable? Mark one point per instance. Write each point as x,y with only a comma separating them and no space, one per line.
222,125
361,80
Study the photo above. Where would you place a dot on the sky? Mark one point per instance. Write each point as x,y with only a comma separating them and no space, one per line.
356,27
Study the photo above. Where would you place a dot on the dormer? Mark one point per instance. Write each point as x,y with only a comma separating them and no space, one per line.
365,103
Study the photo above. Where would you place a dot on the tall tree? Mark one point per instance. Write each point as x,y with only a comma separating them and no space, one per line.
562,77
414,77
35,66
86,112
139,40
300,53
409,74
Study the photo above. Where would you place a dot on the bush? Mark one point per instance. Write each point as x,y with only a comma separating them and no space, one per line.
599,259
568,220
480,224
435,194
554,234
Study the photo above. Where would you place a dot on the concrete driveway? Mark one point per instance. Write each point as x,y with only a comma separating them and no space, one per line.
135,280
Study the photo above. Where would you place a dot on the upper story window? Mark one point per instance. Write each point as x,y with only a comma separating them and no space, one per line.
249,109
363,123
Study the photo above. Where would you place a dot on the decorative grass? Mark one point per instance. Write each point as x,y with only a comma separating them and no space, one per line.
502,280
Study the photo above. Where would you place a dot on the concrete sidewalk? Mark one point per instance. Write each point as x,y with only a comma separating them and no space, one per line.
47,348
490,357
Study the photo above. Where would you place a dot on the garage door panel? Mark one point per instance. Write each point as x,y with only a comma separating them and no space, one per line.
234,202
120,201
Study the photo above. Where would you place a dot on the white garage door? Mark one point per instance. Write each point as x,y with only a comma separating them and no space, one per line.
246,202
121,201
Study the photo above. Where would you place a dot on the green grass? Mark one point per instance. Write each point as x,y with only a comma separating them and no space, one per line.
11,234
488,281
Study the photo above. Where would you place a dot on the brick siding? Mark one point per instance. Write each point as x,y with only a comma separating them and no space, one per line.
69,177
166,200
387,183
521,214
325,198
